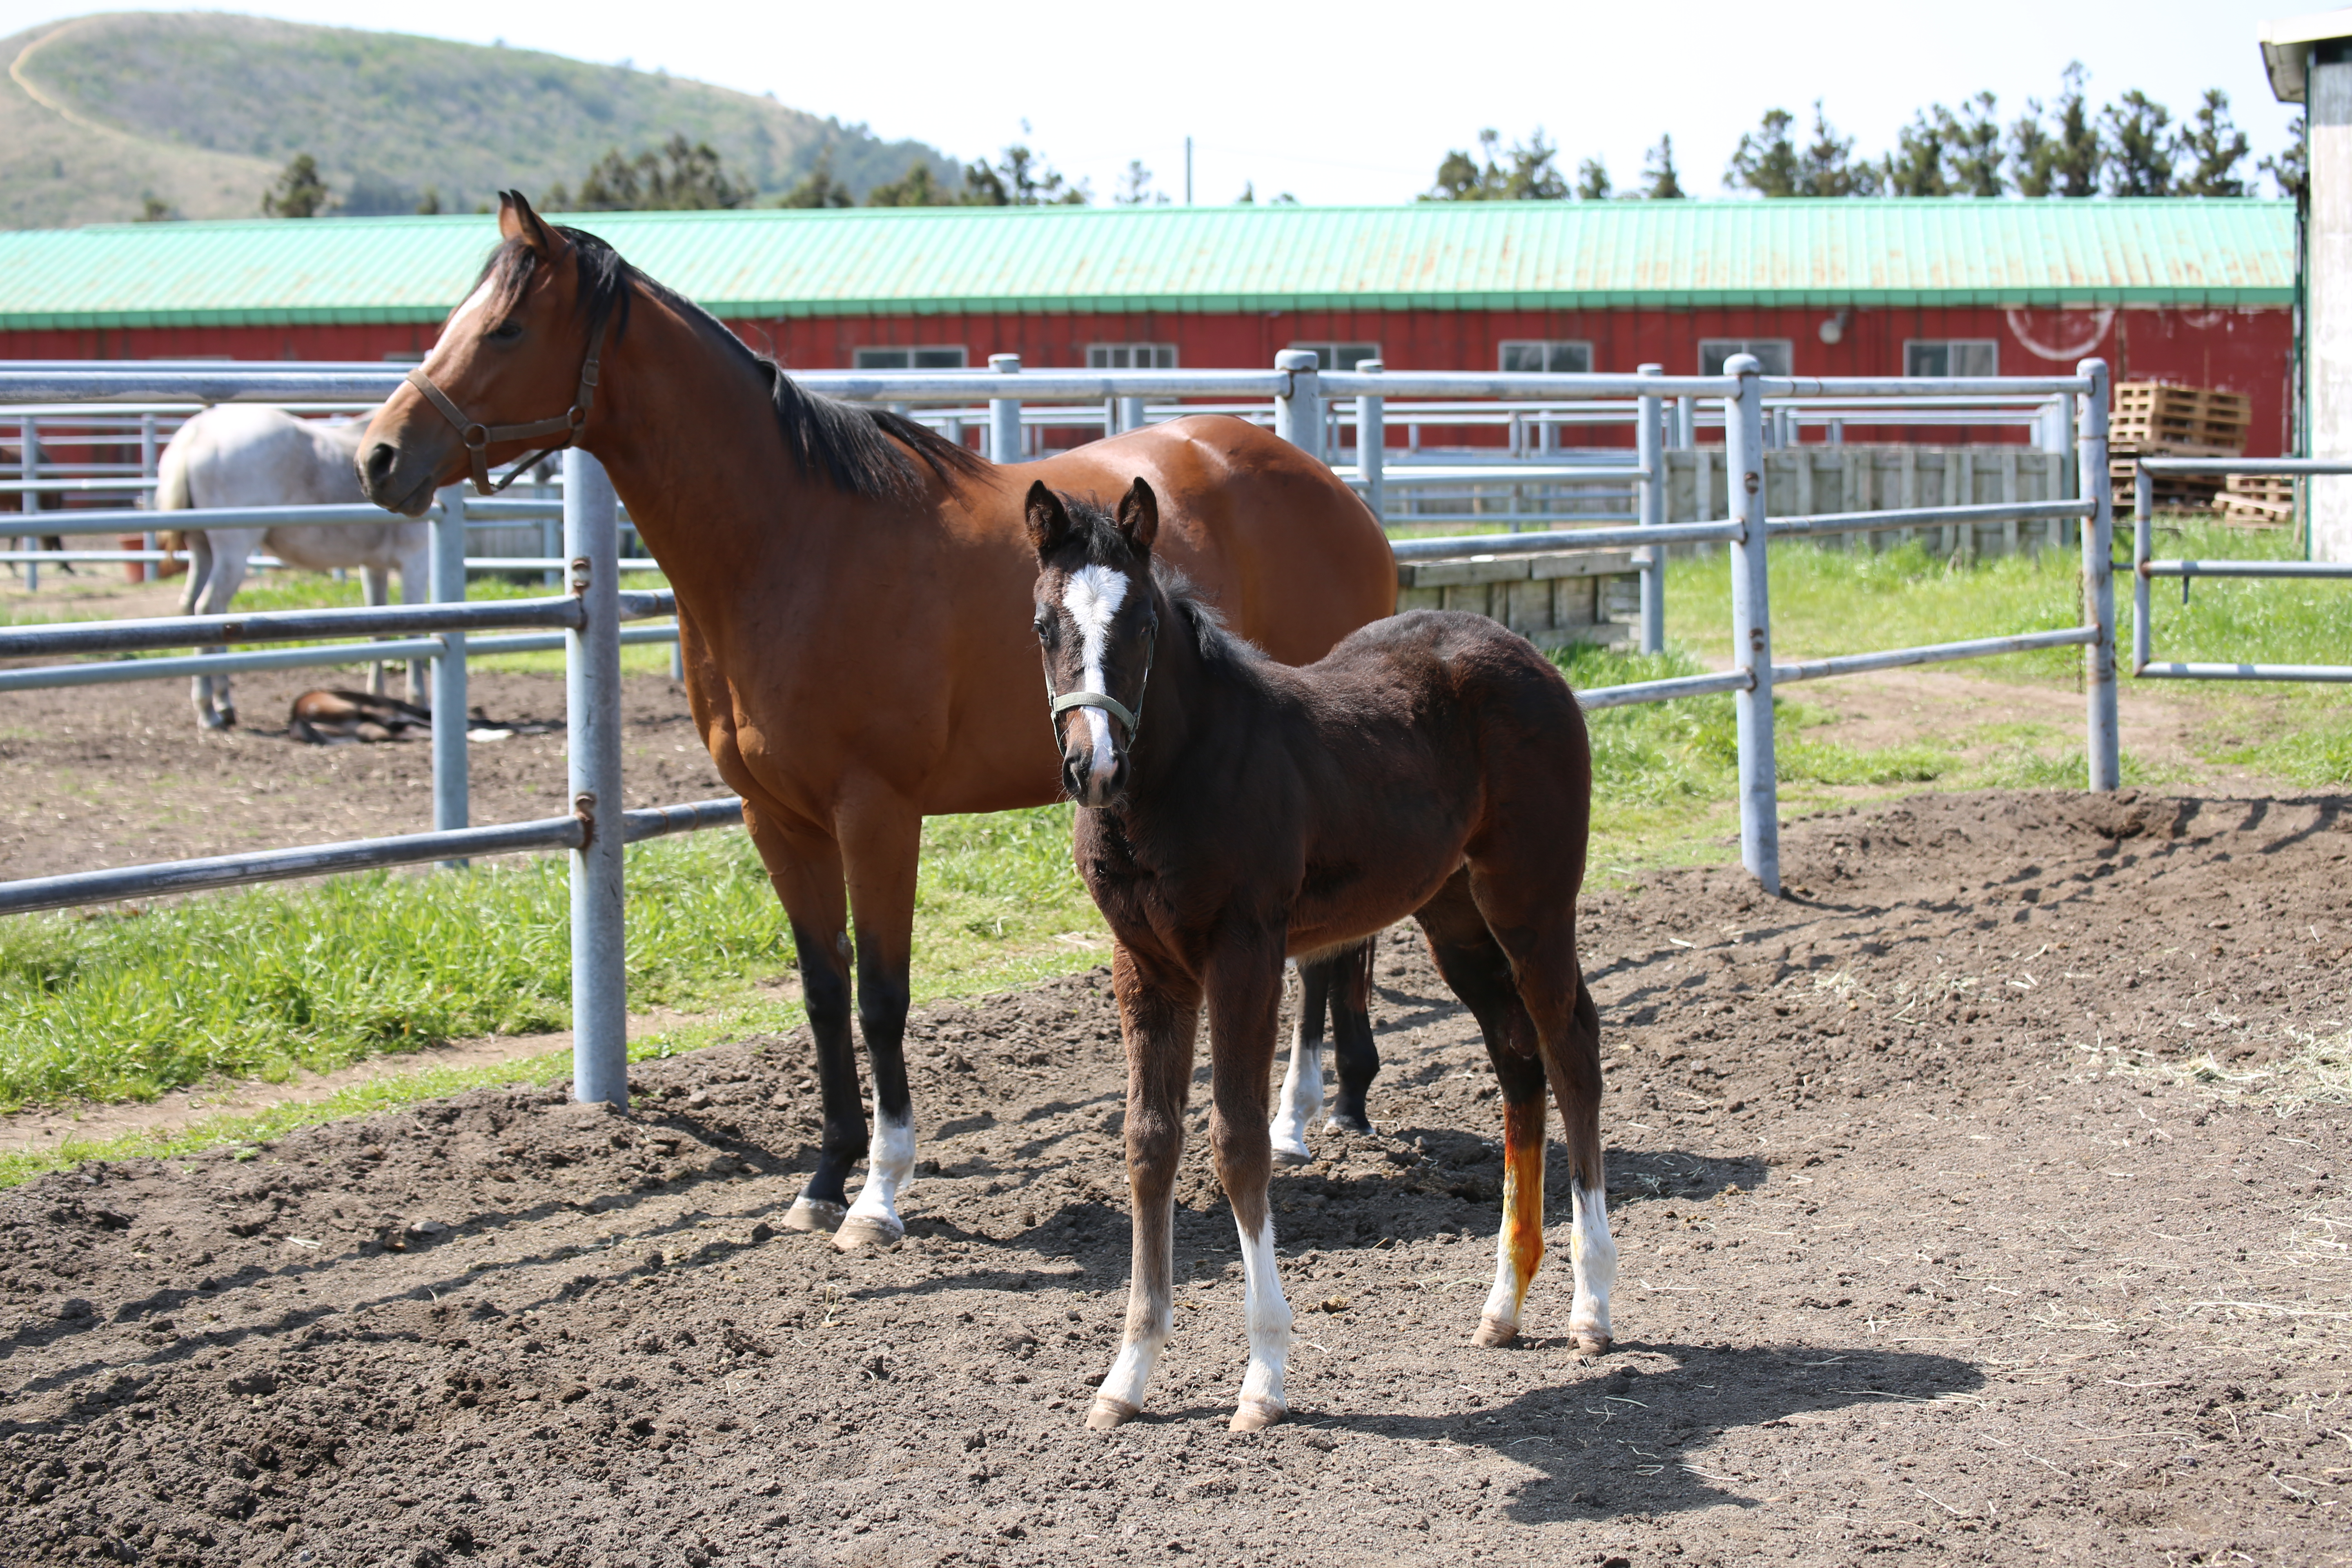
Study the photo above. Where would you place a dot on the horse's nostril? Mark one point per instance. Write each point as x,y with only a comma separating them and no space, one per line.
380,460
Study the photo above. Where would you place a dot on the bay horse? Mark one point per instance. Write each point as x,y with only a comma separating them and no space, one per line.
1433,765
849,591
236,454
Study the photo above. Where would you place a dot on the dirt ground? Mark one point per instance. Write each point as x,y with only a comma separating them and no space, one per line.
118,775
1981,1201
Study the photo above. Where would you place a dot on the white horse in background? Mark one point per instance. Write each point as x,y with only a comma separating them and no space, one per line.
242,455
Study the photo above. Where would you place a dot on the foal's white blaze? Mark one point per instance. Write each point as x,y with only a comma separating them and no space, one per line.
1302,1096
1268,1315
1093,598
890,1170
1595,1256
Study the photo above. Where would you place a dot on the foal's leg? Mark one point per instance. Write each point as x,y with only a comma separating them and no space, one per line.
1158,1011
1358,1059
882,841
1523,903
376,590
225,573
1302,1083
1245,1004
1477,971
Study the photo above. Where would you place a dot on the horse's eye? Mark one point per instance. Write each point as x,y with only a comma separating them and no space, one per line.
507,331
1045,628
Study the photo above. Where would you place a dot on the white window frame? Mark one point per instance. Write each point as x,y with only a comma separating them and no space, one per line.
1139,356
1548,350
1718,349
1327,353
1991,347
858,359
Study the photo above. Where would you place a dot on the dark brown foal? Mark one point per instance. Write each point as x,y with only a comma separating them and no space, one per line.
1431,765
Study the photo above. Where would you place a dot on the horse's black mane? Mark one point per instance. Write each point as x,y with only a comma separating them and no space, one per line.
863,451
1221,649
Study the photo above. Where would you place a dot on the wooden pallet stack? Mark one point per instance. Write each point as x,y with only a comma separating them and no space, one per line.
2258,501
2158,419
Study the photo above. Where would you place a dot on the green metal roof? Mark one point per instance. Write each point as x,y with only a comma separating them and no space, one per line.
1444,256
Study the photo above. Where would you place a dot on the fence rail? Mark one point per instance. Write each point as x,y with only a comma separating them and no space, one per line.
1306,405
2146,569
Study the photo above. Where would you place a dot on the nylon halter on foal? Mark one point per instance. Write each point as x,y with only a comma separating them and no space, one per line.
1062,702
480,437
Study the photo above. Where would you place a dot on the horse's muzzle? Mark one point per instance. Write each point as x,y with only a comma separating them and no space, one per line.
396,480
1088,784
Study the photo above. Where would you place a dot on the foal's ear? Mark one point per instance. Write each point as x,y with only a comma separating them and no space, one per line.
1139,516
517,221
1049,520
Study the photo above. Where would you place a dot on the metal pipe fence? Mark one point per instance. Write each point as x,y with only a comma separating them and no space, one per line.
2146,569
1295,397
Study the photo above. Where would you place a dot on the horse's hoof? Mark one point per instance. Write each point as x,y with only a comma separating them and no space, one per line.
814,1215
1108,1413
1493,1333
1300,1156
1255,1413
860,1231
1592,1344
1347,1121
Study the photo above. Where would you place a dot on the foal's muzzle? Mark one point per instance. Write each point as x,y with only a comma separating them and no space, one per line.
1093,764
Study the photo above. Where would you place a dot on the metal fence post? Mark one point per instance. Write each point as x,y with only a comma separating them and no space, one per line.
2143,548
1373,443
449,761
1004,415
1648,419
1298,413
149,570
2070,476
1685,423
2099,580
1130,414
1751,627
29,467
592,694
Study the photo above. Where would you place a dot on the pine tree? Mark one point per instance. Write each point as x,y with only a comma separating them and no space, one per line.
918,187
1915,167
299,191
2292,168
1766,159
1660,182
2214,148
1827,168
1592,181
1972,147
2142,151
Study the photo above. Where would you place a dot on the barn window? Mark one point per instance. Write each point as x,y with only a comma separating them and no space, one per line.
1340,356
1130,356
1951,356
927,358
1551,356
1772,354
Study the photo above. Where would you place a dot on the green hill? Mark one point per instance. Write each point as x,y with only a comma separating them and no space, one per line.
201,110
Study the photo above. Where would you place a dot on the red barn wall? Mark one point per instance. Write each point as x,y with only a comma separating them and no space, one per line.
2247,351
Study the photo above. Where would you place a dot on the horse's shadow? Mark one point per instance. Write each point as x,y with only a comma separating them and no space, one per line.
1636,1439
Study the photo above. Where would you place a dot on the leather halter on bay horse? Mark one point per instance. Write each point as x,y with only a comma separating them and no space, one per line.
480,437
1062,702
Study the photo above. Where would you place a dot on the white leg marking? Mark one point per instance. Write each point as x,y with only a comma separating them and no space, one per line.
889,1171
1302,1097
1093,598
1503,1302
1132,1370
1268,1316
1595,1257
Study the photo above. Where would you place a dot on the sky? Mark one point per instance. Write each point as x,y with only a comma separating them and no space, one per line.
1357,104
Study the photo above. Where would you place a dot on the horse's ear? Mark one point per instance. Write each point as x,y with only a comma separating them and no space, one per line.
517,221
1049,520
1139,516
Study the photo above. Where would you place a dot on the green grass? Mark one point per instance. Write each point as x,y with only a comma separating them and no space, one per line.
123,1005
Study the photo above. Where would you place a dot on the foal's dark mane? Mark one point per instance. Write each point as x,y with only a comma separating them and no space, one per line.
862,451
